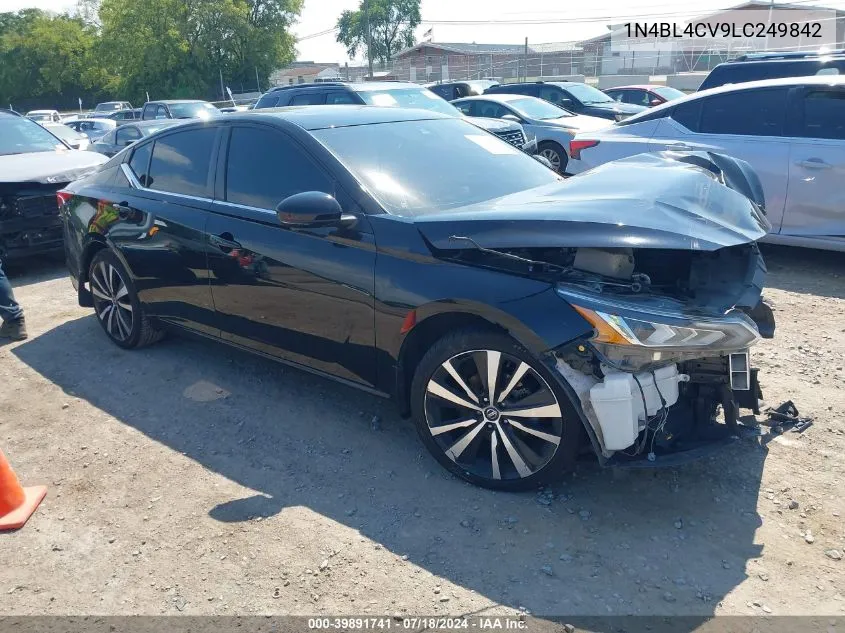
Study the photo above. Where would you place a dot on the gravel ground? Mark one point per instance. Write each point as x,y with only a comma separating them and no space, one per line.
191,478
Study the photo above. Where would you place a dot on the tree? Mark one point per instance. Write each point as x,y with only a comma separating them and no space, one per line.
47,60
392,24
179,48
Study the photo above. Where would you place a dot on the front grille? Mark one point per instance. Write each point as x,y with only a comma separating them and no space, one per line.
514,137
36,206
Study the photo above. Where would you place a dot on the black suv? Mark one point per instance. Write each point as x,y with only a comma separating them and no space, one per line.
573,96
757,66
460,89
387,93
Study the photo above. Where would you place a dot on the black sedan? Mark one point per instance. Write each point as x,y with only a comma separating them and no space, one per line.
517,317
127,134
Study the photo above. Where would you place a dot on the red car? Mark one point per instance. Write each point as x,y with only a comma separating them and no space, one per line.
644,95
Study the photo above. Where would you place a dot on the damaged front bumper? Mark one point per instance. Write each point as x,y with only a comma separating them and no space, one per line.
29,220
653,376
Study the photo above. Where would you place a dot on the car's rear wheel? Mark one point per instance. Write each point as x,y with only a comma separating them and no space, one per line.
116,303
491,413
555,154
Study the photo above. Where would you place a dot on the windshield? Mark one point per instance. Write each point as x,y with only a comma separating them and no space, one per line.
200,110
668,93
65,133
108,107
532,108
416,167
421,98
20,136
39,117
587,94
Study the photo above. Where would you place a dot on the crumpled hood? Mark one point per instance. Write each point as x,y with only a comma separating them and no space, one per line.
38,166
645,201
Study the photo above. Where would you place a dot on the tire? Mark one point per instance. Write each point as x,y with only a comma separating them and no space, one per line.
555,154
116,304
486,445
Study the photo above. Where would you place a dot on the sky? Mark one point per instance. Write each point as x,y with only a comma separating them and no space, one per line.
541,20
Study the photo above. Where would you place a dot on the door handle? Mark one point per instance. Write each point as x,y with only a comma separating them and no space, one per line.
678,146
223,241
814,163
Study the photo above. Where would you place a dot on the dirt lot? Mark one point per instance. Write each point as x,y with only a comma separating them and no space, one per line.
190,478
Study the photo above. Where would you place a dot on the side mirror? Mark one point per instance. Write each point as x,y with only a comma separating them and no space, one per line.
511,117
565,102
655,102
309,209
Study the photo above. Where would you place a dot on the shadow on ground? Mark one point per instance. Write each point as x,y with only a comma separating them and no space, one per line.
35,270
653,542
813,272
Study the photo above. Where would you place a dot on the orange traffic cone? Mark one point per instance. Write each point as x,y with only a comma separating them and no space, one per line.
16,502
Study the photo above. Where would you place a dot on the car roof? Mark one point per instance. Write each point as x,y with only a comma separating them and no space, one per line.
41,111
173,101
814,80
319,117
360,86
636,87
154,123
496,96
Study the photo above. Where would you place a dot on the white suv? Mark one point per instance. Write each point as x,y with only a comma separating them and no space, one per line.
791,131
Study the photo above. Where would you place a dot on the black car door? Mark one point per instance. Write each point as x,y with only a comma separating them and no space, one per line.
162,204
304,295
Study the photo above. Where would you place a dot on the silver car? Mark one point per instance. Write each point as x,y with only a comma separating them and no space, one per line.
552,126
791,131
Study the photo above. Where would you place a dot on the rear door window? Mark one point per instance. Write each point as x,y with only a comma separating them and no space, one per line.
745,112
552,93
338,97
824,114
140,162
180,162
688,114
264,167
309,98
491,109
267,101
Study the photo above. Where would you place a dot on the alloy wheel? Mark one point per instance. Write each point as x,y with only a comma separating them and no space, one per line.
552,156
493,415
111,300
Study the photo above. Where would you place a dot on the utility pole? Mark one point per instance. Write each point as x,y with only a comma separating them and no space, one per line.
369,38
222,90
257,83
525,63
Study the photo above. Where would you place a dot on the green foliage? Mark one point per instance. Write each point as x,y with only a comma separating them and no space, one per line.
392,24
121,49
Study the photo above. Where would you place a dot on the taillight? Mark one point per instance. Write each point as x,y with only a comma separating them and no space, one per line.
575,148
63,197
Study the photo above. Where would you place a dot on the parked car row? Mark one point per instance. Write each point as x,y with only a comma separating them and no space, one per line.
388,94
519,318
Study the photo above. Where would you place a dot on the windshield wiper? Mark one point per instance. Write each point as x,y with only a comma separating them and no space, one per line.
638,282
523,260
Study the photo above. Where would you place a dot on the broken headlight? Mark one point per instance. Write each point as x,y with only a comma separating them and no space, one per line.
657,323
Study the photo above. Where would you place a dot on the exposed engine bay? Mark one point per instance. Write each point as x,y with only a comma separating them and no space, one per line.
654,398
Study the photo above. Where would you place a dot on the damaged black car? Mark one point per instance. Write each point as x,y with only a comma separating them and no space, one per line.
34,164
520,319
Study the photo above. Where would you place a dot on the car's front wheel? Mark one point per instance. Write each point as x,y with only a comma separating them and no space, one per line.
491,413
116,303
555,154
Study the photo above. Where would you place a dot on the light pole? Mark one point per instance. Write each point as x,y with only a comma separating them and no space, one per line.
369,37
